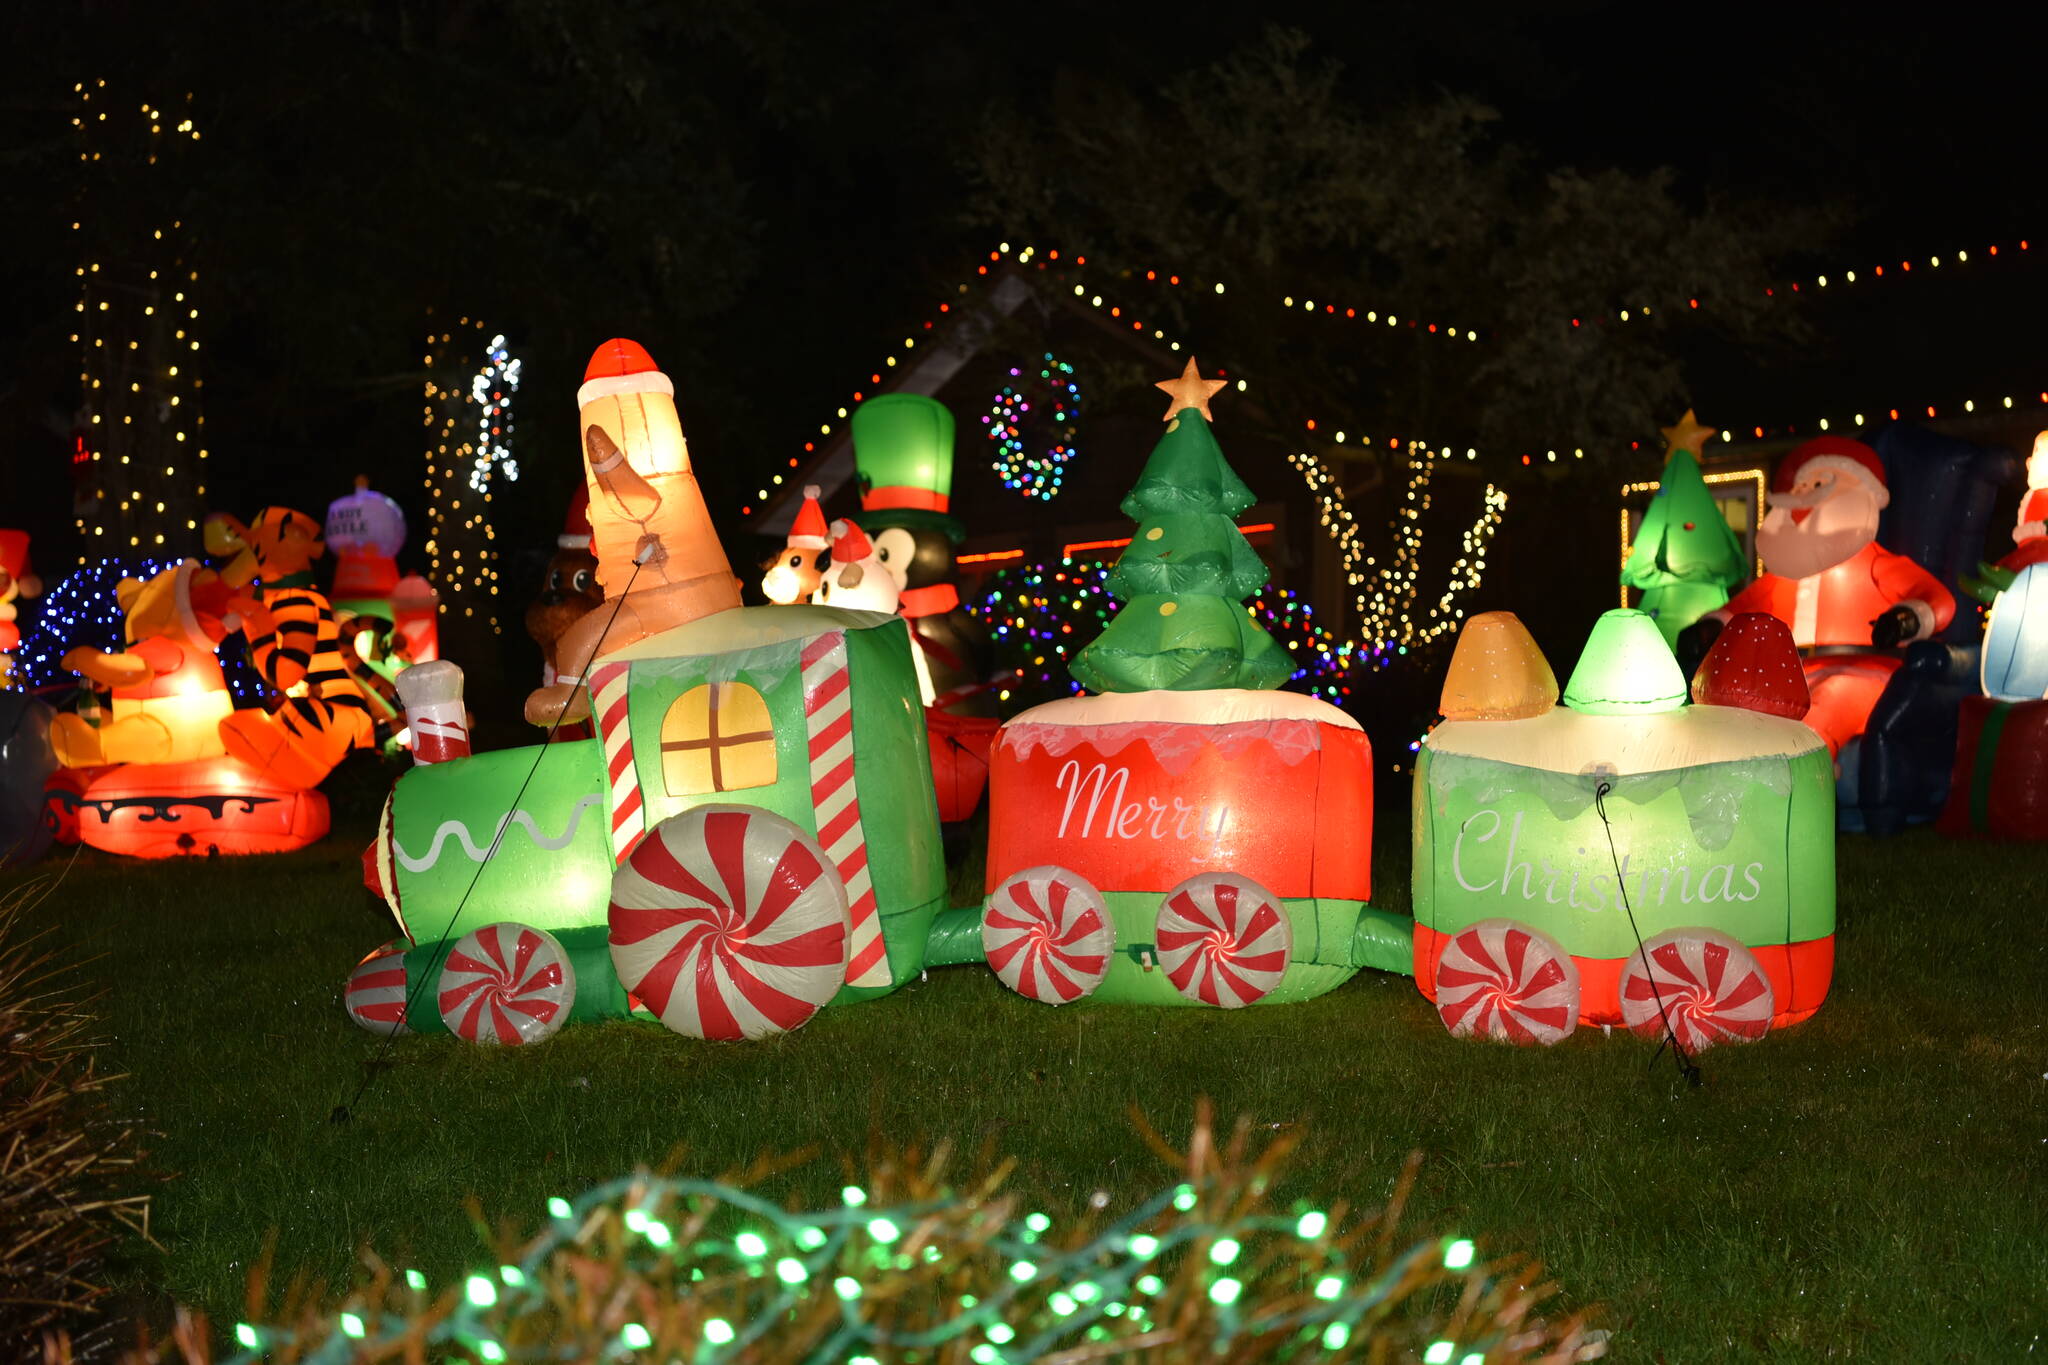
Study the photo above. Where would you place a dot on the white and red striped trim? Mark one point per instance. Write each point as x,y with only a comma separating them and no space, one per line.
618,385
609,707
835,802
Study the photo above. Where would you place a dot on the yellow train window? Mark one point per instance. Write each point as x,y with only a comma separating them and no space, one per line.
717,737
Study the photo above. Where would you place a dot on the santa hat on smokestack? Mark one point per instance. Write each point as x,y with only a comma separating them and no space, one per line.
1849,459
576,526
622,366
808,531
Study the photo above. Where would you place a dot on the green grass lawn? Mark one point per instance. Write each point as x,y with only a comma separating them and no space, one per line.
1867,1185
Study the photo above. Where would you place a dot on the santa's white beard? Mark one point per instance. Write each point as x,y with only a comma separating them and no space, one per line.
1835,530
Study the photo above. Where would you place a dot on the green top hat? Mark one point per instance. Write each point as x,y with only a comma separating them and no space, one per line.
903,452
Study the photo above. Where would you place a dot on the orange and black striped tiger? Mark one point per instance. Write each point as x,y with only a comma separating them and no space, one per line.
295,645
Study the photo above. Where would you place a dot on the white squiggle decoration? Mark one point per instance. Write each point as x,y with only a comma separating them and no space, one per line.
460,831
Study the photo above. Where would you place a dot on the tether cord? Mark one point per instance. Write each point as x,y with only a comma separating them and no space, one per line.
1686,1066
341,1112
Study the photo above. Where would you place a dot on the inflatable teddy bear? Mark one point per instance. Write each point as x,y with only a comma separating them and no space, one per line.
169,697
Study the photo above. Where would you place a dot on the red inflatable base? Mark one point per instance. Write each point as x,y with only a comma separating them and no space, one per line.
1800,974
195,810
61,795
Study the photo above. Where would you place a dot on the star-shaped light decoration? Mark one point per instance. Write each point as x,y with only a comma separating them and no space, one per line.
1688,435
1190,391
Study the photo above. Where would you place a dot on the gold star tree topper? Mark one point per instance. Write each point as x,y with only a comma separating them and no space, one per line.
1688,435
1190,391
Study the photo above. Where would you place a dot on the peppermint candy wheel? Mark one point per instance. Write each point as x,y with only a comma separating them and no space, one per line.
1223,939
1506,981
375,998
728,922
1048,935
1711,988
506,983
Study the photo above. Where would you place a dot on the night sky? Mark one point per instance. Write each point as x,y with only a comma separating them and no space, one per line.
366,163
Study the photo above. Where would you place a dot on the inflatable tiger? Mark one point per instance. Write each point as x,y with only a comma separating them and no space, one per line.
296,646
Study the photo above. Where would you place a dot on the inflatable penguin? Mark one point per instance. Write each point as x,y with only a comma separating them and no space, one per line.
903,451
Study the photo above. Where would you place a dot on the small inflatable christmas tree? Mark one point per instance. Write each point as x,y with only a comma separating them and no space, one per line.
1184,577
1685,557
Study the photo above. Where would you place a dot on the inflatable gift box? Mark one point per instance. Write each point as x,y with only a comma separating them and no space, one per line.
1538,836
2000,783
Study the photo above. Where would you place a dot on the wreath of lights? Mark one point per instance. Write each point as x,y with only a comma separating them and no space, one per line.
1034,474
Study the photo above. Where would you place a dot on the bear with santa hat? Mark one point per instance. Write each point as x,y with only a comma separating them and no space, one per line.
1850,602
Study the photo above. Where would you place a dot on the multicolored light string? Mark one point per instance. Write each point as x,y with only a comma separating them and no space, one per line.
1039,615
1015,430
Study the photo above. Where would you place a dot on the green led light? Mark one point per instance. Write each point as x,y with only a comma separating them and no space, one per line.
415,1280
1061,1304
1226,1290
635,1219
1329,1287
968,1301
1459,1254
983,1354
1439,1353
1335,1335
1000,1333
1150,1284
1144,1245
883,1231
1224,1251
846,1287
1113,1309
931,1254
480,1291
352,1326
246,1334
636,1337
862,1360
512,1275
1087,1291
718,1331
1022,1271
751,1245
1184,1198
810,1239
490,1350
790,1270
1476,1358
558,1207
1037,1222
1311,1226
658,1233
853,1196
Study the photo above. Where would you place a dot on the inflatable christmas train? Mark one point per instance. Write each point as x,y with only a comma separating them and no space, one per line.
753,834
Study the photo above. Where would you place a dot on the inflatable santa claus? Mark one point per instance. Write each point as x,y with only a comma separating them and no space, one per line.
1849,601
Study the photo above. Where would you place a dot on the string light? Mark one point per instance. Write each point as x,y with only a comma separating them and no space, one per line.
1040,615
1034,473
460,467
1387,596
138,319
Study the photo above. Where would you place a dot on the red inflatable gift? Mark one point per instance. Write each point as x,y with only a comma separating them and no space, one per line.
2000,783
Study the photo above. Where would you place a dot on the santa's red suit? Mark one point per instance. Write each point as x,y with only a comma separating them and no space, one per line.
1830,580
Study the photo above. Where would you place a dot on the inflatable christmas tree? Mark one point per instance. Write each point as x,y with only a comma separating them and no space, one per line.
1184,577
1685,557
